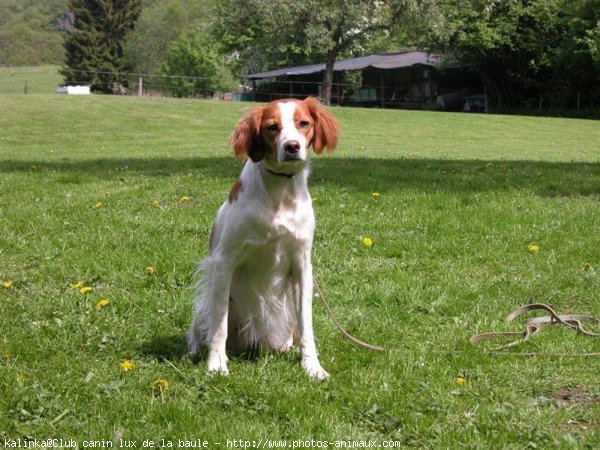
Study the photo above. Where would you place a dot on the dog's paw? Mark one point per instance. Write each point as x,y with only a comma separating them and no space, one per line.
217,364
285,348
314,370
223,371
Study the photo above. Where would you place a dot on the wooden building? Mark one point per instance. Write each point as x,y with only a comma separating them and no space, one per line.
414,79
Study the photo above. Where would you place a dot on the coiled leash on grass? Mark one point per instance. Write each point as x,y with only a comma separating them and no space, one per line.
342,330
534,326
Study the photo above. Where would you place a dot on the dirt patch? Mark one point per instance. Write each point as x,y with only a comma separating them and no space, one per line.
577,396
578,426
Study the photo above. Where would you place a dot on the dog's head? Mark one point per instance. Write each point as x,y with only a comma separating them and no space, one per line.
282,131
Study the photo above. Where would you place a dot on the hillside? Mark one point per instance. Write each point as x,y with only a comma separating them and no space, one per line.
30,32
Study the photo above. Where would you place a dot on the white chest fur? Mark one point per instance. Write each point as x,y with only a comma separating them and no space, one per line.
293,220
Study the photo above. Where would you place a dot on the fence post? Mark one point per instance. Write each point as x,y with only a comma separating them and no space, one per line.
485,98
381,89
25,90
140,89
578,100
541,101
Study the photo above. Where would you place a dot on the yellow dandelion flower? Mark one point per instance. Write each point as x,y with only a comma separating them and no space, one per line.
533,248
127,365
161,385
102,303
155,204
460,380
7,284
150,270
367,242
5,354
98,205
22,378
78,285
85,289
184,198
375,194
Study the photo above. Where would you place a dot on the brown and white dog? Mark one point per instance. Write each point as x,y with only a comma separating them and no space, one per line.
256,287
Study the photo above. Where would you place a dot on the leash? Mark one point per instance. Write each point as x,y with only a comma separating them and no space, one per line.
342,330
533,326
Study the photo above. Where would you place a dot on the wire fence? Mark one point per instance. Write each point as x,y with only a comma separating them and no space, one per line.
160,85
45,79
412,94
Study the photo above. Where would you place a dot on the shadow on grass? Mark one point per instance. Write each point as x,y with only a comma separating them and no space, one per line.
355,174
174,348
121,167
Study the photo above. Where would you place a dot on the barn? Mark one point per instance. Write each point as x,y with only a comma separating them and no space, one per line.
412,79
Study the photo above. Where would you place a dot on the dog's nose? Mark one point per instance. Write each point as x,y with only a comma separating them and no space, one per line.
292,147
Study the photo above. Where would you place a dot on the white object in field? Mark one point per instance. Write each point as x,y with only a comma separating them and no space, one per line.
74,90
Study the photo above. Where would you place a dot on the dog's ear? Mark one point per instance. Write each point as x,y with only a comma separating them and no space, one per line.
327,128
246,139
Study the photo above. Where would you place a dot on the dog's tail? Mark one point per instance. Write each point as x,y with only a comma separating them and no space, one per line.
199,328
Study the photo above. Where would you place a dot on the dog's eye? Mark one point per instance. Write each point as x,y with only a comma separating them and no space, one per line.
304,124
273,127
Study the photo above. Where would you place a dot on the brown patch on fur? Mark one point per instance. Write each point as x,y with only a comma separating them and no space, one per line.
326,127
302,114
246,139
235,190
271,117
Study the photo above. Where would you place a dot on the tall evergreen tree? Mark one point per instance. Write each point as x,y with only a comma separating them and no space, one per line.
94,49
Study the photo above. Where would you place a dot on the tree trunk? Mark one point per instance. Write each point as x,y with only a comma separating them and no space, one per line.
328,77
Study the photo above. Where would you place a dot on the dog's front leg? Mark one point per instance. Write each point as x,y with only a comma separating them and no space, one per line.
218,293
303,291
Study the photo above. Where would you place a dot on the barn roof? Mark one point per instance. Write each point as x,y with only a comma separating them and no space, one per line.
388,61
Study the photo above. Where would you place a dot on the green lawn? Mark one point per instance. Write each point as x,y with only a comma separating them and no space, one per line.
91,191
29,80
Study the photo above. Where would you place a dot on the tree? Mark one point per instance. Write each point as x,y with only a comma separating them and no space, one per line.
523,48
306,31
94,49
193,55
504,39
159,24
576,53
592,40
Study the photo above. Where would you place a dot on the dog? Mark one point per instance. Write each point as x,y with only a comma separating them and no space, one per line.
255,288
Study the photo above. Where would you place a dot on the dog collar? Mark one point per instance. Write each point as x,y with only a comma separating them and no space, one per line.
280,174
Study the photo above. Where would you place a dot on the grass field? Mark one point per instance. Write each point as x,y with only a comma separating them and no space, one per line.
95,190
29,80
